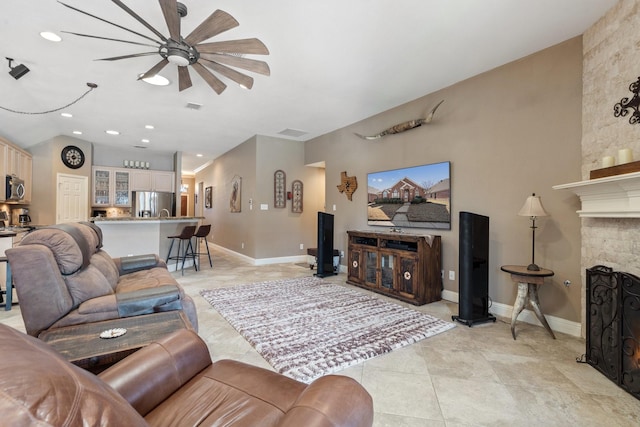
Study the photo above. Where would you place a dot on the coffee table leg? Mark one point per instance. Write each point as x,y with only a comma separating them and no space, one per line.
535,304
521,301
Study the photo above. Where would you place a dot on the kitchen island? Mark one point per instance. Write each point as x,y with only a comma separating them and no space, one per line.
126,236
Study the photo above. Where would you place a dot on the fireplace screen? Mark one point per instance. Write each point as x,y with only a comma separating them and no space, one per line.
613,326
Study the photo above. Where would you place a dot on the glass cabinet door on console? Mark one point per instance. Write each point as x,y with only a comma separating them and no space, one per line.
387,270
370,267
101,187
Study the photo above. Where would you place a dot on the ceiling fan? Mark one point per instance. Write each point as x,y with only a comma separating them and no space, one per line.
189,51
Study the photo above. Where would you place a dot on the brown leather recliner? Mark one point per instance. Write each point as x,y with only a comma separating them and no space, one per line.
63,277
169,383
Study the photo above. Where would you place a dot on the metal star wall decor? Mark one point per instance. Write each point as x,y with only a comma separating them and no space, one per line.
626,105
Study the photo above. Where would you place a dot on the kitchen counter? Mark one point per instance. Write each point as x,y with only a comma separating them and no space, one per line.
146,219
126,236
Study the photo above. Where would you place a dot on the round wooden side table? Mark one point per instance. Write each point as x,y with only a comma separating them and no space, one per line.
528,282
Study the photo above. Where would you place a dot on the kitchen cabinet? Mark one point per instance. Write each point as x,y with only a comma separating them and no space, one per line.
111,187
150,180
402,266
15,161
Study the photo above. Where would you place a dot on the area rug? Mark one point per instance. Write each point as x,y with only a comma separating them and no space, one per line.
307,327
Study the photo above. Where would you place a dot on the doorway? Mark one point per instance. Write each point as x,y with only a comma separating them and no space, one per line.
184,205
72,202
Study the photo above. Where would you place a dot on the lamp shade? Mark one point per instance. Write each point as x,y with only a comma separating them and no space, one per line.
533,207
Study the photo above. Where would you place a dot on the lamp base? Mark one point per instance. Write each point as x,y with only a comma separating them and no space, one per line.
533,267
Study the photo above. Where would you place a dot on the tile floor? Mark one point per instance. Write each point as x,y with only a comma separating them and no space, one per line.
475,376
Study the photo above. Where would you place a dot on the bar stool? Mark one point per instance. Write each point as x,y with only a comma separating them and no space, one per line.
201,235
182,254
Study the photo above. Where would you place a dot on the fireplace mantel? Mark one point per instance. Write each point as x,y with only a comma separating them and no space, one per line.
609,197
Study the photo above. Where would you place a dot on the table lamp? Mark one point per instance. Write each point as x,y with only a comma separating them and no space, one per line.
533,209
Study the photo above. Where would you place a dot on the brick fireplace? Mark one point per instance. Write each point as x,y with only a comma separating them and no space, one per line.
613,326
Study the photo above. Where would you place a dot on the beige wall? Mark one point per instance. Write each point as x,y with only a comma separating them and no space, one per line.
508,133
271,233
610,66
47,163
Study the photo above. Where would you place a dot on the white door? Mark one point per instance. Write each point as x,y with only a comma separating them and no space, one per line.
72,199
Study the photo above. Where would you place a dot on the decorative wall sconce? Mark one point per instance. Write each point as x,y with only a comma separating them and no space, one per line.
626,105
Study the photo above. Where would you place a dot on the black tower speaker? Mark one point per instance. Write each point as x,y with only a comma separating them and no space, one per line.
325,245
473,269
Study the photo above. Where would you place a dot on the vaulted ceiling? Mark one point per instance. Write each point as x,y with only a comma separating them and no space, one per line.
332,62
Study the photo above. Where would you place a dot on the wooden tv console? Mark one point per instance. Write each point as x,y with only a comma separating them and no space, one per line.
400,265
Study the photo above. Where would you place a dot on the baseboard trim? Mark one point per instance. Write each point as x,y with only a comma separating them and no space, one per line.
261,261
557,324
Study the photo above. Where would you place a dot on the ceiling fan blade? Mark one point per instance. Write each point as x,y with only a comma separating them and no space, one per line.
134,55
215,83
109,22
139,19
253,46
184,79
108,38
170,12
154,70
259,67
218,22
230,73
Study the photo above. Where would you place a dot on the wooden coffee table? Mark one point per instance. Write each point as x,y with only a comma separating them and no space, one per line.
82,345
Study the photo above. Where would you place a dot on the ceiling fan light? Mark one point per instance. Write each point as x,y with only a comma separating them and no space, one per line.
178,60
156,80
51,36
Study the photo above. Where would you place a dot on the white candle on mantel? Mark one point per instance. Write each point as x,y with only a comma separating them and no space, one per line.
607,161
625,156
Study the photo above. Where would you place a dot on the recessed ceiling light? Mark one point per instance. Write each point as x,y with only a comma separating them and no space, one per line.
148,126
77,132
156,80
52,37
66,114
198,155
112,132
145,140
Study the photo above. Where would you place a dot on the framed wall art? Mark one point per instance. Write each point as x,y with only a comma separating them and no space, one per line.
207,197
279,189
236,193
296,197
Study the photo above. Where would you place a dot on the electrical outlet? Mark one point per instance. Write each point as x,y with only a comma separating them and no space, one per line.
301,246
334,207
452,275
242,245
442,274
342,254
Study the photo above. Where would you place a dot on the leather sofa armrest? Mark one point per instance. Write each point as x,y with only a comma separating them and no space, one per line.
332,400
150,375
130,264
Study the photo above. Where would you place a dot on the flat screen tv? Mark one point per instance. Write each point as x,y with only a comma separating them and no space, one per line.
418,197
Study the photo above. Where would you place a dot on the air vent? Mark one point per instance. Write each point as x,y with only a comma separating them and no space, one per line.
139,146
294,133
194,106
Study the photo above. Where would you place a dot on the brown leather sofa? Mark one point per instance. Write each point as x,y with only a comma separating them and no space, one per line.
62,277
169,383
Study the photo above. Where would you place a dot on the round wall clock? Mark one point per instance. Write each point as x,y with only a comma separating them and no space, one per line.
72,157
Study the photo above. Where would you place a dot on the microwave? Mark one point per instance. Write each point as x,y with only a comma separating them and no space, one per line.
14,189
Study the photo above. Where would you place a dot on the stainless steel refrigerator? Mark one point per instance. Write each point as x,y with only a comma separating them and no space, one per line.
152,204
